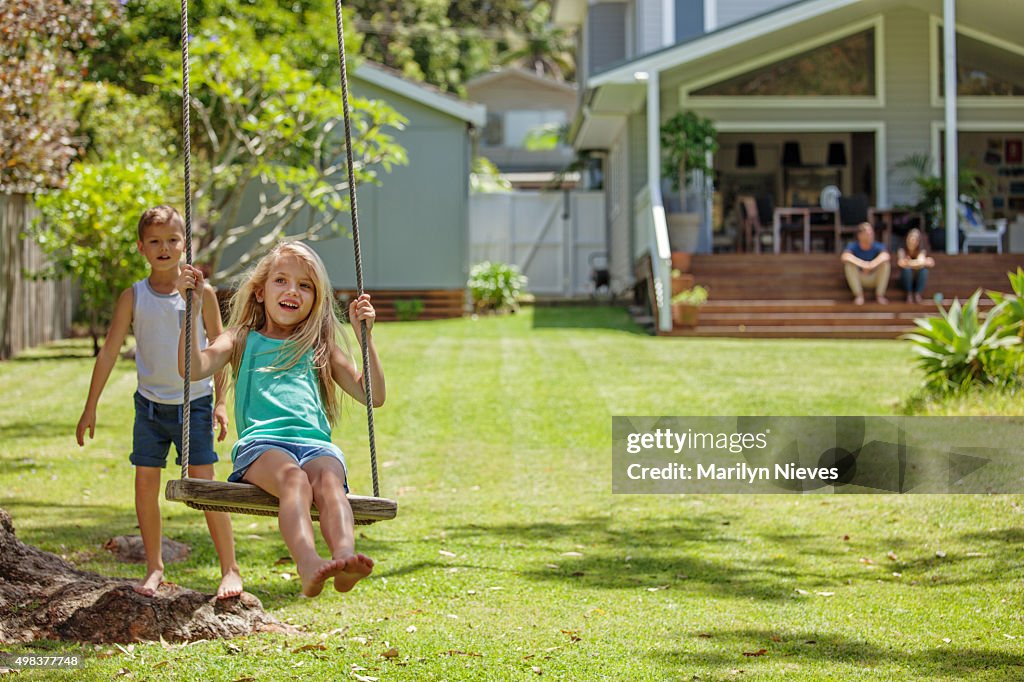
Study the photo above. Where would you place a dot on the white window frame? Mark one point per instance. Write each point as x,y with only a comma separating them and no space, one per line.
876,127
989,102
877,23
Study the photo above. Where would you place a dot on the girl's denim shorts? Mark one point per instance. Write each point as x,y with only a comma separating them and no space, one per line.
302,453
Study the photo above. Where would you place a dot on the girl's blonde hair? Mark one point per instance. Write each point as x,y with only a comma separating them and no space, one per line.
318,333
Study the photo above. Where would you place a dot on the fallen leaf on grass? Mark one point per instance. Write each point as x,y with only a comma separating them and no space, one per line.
245,679
310,647
574,635
940,554
820,594
457,652
284,576
866,560
283,560
574,554
411,629
775,638
554,566
535,668
947,640
704,635
759,652
649,589
974,554
161,664
892,556
846,537
1009,636
363,678
801,592
444,552
390,653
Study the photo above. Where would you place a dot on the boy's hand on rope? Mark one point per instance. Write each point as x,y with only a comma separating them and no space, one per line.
361,309
191,279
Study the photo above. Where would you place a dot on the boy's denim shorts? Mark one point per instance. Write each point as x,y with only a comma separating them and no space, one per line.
302,453
157,425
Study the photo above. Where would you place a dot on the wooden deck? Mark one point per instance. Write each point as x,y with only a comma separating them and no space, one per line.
806,296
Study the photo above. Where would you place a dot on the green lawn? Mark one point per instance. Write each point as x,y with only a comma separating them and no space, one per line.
511,559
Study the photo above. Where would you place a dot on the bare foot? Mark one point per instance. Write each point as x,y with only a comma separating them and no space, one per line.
314,576
151,583
910,298
919,298
230,585
882,300
859,300
357,567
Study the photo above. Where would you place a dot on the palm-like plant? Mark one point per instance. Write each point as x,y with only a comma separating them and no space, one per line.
1012,304
544,48
960,347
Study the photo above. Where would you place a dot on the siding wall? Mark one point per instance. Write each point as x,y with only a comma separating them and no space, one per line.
733,11
648,23
606,28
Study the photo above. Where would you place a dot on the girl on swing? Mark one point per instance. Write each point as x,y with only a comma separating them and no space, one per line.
282,341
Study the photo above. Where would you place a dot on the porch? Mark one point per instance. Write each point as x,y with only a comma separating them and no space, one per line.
806,296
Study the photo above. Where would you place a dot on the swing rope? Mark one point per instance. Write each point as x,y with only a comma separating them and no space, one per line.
244,498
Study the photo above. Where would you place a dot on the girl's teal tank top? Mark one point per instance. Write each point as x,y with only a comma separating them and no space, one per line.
282,405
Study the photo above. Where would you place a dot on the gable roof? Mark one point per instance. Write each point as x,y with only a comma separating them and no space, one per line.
423,93
522,74
716,41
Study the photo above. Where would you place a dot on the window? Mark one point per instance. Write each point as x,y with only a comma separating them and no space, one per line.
518,124
983,70
842,68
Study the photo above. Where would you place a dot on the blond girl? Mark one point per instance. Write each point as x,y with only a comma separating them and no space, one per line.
282,342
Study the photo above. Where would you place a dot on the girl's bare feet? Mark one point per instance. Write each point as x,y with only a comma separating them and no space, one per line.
315,575
858,300
919,298
151,583
910,298
356,568
230,585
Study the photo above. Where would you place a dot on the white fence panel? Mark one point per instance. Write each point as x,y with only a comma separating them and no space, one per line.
554,237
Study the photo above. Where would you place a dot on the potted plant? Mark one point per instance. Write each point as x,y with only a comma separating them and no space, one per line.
686,306
931,193
687,142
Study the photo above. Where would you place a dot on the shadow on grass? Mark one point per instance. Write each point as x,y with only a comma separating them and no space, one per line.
708,554
34,429
68,349
806,647
585,317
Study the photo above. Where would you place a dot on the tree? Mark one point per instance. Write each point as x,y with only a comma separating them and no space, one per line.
88,229
264,129
41,62
542,47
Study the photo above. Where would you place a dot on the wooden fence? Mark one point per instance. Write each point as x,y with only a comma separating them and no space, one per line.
31,312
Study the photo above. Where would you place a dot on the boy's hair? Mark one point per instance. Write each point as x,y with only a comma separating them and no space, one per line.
161,215
319,332
864,227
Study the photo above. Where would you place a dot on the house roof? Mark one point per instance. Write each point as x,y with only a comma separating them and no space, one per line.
716,41
523,74
423,93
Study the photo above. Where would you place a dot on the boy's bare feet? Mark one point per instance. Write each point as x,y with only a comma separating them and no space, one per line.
230,585
882,300
919,298
315,575
858,300
910,298
356,568
151,583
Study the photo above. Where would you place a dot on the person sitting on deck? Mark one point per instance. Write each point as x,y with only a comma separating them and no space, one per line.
914,262
866,263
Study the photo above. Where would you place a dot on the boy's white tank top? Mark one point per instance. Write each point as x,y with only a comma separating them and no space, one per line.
157,322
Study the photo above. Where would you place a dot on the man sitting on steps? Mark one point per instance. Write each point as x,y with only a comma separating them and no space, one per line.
866,263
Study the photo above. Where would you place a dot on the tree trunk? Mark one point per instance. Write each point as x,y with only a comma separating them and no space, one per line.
44,597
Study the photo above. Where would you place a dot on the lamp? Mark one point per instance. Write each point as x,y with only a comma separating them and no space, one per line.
746,155
791,154
836,154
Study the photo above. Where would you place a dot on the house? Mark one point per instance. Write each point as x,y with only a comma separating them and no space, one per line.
851,87
520,103
414,226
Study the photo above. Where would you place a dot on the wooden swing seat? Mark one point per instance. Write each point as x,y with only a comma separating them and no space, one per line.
243,498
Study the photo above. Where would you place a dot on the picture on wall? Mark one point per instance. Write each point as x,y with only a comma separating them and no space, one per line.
1014,150
994,152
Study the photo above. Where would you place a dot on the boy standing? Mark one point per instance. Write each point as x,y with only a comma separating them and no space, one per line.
155,310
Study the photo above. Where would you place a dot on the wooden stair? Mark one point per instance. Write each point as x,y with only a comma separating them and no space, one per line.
806,296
